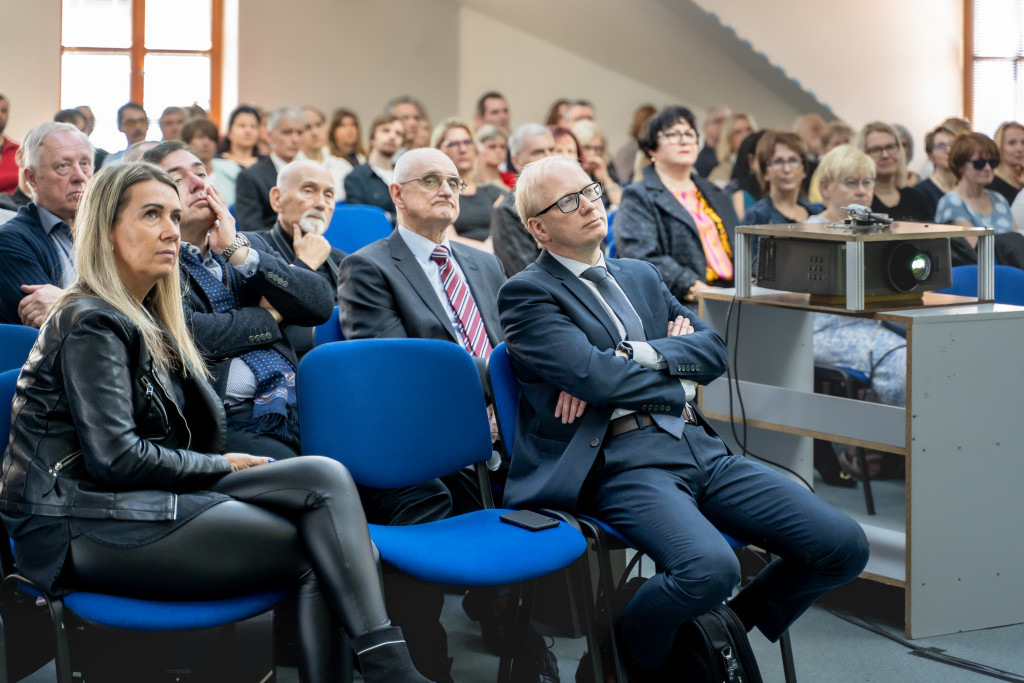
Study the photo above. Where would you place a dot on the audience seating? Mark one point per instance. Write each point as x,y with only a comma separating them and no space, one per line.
396,424
329,331
111,611
15,343
1009,284
605,538
353,226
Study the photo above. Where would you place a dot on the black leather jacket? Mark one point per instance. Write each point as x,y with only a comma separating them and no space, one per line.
97,435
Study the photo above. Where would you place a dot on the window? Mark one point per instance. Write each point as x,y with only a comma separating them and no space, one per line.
994,78
156,52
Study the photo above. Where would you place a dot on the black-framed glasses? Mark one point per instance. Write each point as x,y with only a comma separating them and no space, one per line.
979,164
679,136
779,162
432,181
891,149
570,202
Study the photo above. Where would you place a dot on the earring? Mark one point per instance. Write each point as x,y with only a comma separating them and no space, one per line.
653,160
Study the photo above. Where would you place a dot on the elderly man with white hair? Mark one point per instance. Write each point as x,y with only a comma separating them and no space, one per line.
252,194
35,245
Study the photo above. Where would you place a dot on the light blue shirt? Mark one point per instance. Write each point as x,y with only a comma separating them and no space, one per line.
59,233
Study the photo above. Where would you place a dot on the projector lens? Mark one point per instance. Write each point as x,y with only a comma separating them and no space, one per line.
921,266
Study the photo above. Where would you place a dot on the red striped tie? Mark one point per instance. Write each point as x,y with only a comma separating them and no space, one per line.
474,336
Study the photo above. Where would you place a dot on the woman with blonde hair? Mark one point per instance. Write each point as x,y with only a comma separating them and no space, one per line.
1009,138
737,128
881,142
115,472
455,138
596,162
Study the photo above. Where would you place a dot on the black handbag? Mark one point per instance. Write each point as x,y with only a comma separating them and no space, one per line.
713,648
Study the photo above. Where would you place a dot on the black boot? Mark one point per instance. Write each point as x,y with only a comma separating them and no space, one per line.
384,657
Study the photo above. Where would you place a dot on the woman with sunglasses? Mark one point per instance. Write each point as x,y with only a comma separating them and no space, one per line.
973,160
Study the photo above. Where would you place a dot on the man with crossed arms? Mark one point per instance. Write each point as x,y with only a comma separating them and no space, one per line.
630,449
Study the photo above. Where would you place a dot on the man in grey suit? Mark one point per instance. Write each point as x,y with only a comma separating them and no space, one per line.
252,194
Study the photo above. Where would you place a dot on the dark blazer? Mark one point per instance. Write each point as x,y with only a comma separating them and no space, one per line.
27,257
252,196
299,294
99,434
559,337
300,337
513,243
651,225
363,186
383,292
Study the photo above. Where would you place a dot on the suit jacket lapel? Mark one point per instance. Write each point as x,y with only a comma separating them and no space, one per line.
409,267
637,298
581,292
486,298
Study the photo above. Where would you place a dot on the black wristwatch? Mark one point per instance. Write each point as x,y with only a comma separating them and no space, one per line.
627,347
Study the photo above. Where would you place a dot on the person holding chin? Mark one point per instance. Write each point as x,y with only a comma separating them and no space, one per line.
674,218
240,293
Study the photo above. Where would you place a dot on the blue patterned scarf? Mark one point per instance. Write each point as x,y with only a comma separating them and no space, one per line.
273,406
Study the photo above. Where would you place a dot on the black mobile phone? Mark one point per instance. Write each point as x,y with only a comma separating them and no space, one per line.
531,521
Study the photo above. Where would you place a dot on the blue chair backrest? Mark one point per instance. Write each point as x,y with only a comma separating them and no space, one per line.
1009,284
353,226
330,331
15,343
610,237
396,412
505,390
8,382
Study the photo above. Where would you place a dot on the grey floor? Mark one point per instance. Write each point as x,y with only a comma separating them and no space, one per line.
826,648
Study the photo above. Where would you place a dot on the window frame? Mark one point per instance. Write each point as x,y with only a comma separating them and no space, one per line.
137,54
970,59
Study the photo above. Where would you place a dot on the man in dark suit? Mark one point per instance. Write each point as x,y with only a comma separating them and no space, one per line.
252,193
304,201
629,448
239,293
35,245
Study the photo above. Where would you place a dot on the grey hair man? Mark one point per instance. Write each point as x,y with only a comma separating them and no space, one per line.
577,110
413,114
171,121
513,244
35,245
252,194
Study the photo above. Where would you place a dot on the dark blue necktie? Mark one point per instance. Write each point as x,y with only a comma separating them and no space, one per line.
617,301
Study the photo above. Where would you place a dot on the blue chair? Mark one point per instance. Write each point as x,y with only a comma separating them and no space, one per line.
111,611
505,390
609,239
15,343
353,226
329,331
1009,284
399,412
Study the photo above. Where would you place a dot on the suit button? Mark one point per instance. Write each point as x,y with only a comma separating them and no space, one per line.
595,442
284,283
251,339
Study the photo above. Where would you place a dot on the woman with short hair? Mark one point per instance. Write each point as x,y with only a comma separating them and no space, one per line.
882,143
973,160
1009,138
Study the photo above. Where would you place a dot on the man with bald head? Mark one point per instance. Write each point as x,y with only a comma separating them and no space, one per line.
638,454
35,245
240,295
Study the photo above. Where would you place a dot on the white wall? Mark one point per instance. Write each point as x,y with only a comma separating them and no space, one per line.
30,62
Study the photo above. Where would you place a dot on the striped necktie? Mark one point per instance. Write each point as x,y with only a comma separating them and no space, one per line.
472,331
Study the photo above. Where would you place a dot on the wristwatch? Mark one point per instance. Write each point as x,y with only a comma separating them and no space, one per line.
236,244
627,347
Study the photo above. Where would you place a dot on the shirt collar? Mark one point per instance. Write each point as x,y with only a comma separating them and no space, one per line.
577,267
279,163
48,220
420,246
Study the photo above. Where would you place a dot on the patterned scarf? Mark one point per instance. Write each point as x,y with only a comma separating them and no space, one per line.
713,235
275,375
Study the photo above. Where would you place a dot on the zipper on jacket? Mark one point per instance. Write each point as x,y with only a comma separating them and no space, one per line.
163,390
64,462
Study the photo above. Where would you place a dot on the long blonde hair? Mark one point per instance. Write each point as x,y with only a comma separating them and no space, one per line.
160,318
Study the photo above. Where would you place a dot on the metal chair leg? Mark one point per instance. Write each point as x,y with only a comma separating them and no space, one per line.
869,499
606,583
788,666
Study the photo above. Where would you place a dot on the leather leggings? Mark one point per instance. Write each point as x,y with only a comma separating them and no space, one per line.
297,520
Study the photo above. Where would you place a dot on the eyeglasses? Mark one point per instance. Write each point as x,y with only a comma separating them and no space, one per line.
941,147
452,144
853,183
570,202
679,136
979,164
891,149
791,161
135,122
593,149
432,181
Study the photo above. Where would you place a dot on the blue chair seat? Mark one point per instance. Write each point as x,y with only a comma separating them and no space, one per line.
478,547
168,615
614,534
